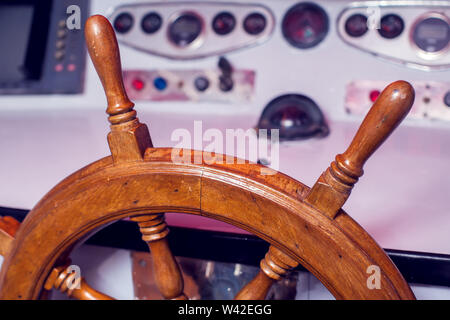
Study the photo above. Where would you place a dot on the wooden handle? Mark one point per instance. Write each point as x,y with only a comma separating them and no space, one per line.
9,225
389,110
8,229
334,186
274,266
86,292
104,52
62,278
168,276
257,288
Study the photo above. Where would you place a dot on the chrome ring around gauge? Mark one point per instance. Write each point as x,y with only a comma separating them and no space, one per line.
151,22
356,25
391,26
295,116
430,35
305,25
223,23
123,22
186,30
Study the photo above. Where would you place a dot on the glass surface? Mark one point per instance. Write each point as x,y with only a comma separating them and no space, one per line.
15,26
185,29
432,34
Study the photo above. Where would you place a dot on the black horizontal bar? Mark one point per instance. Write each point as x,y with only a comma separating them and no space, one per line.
416,267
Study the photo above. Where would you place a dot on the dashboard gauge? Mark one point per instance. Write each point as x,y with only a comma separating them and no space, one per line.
185,29
431,34
255,23
123,22
391,26
151,22
201,83
447,99
305,25
223,23
356,25
295,116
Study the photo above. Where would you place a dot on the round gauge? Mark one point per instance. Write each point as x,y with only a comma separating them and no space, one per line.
123,22
391,26
151,22
255,23
305,25
223,23
201,83
431,34
447,99
356,25
295,115
185,29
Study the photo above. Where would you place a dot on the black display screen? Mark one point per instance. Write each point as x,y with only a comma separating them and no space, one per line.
23,39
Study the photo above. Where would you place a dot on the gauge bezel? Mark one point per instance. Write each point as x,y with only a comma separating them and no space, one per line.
419,51
317,128
397,35
198,41
145,16
133,22
248,17
217,17
321,36
352,16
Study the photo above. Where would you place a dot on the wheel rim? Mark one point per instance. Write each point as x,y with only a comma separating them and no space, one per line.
320,244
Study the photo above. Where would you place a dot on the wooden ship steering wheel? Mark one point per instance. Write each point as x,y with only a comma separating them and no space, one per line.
303,225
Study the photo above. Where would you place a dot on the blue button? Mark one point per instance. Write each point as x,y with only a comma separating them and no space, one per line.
160,83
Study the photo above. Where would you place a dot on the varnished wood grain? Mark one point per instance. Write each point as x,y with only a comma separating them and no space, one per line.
103,50
334,186
8,229
272,210
128,138
144,281
60,277
275,265
9,225
167,272
128,141
63,279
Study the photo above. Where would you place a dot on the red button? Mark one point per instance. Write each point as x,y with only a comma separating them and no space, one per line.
59,67
374,95
138,84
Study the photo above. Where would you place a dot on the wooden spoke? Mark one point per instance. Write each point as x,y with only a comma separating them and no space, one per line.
333,187
8,229
9,225
274,266
167,272
65,280
128,138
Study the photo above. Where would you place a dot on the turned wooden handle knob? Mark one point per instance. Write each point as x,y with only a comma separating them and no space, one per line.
389,110
9,225
104,52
